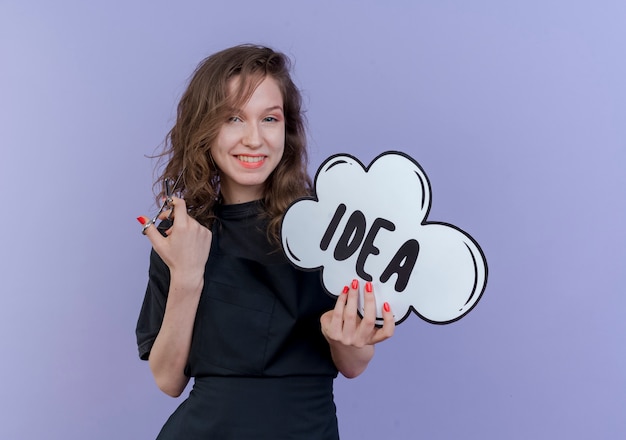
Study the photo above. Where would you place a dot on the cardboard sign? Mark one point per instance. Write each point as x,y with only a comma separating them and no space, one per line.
370,223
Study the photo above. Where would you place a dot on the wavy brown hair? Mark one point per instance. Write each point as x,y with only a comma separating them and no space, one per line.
201,112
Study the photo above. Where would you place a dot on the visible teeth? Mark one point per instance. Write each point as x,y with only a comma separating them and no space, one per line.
250,158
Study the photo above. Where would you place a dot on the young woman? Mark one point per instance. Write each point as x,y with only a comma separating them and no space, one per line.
262,339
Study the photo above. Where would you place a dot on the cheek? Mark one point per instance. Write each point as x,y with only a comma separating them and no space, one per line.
274,134
225,138
278,141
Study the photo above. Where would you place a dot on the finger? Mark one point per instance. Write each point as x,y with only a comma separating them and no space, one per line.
369,304
350,311
150,230
368,322
336,324
167,214
389,325
179,210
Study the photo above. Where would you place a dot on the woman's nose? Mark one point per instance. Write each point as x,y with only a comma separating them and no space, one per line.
252,136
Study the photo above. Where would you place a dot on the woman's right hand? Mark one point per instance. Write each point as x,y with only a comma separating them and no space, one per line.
185,249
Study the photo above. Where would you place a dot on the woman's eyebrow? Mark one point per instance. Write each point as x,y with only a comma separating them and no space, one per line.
275,107
240,111
268,109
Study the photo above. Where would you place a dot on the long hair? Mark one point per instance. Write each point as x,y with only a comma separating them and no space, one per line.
201,112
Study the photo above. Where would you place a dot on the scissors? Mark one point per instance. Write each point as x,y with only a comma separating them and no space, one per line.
170,185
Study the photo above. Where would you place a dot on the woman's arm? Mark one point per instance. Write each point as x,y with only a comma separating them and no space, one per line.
350,337
170,351
185,250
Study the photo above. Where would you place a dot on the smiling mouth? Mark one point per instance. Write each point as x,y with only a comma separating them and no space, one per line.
251,159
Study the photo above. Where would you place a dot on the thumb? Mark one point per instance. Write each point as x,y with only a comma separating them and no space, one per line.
149,229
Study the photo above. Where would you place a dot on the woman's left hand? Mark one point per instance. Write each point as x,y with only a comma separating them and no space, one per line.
352,338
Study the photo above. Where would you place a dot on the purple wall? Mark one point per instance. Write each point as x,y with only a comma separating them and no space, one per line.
516,112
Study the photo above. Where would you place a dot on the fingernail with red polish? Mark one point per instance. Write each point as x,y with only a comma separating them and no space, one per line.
386,307
368,287
141,220
355,284
345,289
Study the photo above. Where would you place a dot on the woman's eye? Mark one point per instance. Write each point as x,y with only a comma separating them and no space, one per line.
234,119
270,119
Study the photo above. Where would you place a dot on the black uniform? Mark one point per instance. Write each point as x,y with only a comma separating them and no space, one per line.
262,368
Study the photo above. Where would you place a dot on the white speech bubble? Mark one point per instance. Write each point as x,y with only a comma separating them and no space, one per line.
370,223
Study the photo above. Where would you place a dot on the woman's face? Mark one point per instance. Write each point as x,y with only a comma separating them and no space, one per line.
250,143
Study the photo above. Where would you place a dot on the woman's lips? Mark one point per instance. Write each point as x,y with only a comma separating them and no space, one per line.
251,161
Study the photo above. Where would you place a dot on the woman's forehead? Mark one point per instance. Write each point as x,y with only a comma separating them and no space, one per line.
239,90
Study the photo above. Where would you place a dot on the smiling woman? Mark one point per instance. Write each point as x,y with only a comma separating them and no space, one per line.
223,305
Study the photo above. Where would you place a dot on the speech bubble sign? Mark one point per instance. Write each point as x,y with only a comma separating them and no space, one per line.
370,223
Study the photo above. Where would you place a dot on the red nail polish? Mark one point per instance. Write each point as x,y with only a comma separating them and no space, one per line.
345,289
386,307
355,284
368,287
141,220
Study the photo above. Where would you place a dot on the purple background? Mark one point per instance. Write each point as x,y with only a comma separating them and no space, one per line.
516,110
